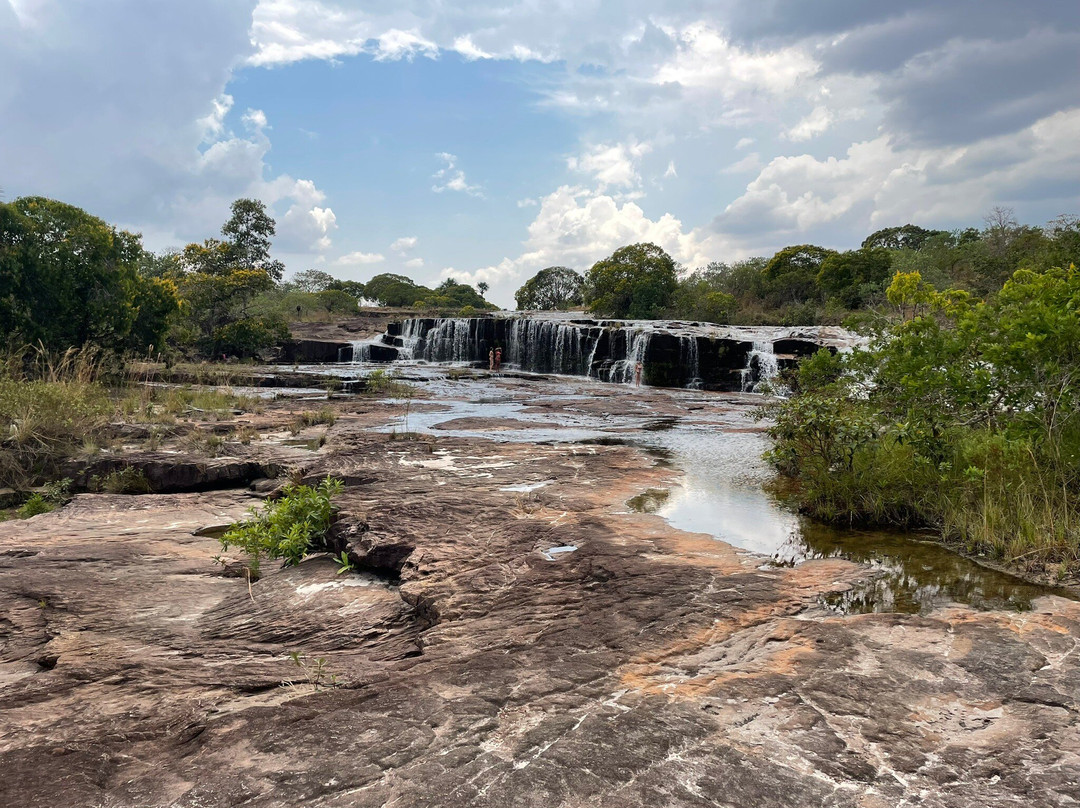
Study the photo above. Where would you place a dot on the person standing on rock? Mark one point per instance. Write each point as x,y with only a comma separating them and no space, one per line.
638,368
491,359
498,359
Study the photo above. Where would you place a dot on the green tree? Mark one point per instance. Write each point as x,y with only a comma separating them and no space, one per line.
551,289
313,280
389,289
964,417
212,302
909,294
906,237
699,297
219,280
482,288
354,289
212,257
637,281
855,276
458,295
335,301
249,230
248,336
791,275
68,279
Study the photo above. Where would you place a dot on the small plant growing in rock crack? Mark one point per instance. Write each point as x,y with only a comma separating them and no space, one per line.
58,492
246,434
313,418
288,527
316,672
53,495
345,564
128,480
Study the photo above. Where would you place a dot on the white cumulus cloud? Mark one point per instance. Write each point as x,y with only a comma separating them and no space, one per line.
452,178
612,165
359,258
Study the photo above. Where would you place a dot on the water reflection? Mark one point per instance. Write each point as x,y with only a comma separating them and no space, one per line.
723,495
911,575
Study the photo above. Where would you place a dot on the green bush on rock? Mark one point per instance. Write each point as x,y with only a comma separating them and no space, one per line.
289,527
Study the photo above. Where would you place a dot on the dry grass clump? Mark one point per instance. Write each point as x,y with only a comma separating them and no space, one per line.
50,406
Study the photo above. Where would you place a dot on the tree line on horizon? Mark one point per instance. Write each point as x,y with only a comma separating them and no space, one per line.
68,278
806,284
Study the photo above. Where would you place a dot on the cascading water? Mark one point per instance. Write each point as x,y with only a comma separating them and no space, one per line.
544,346
689,359
624,370
762,368
450,340
411,333
361,352
671,355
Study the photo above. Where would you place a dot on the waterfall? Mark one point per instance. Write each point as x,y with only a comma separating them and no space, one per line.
672,355
587,371
361,352
412,331
689,359
449,340
636,341
762,367
546,346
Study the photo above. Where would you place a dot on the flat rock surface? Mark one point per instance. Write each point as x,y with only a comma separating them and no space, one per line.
467,666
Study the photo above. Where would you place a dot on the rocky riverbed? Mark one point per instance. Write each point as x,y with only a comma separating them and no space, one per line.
518,636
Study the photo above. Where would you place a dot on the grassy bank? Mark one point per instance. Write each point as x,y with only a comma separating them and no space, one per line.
53,408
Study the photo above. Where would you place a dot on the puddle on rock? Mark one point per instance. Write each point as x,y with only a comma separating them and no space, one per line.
553,552
525,488
911,575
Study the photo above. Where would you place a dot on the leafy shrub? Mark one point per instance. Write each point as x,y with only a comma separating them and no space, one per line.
37,504
964,418
58,492
128,480
289,527
382,383
249,336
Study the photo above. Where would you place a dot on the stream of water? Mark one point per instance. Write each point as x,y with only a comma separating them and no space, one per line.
723,489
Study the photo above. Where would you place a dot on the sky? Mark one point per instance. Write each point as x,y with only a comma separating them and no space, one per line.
483,141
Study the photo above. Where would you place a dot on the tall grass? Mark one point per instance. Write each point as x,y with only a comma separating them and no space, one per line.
53,405
164,405
50,404
1005,497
